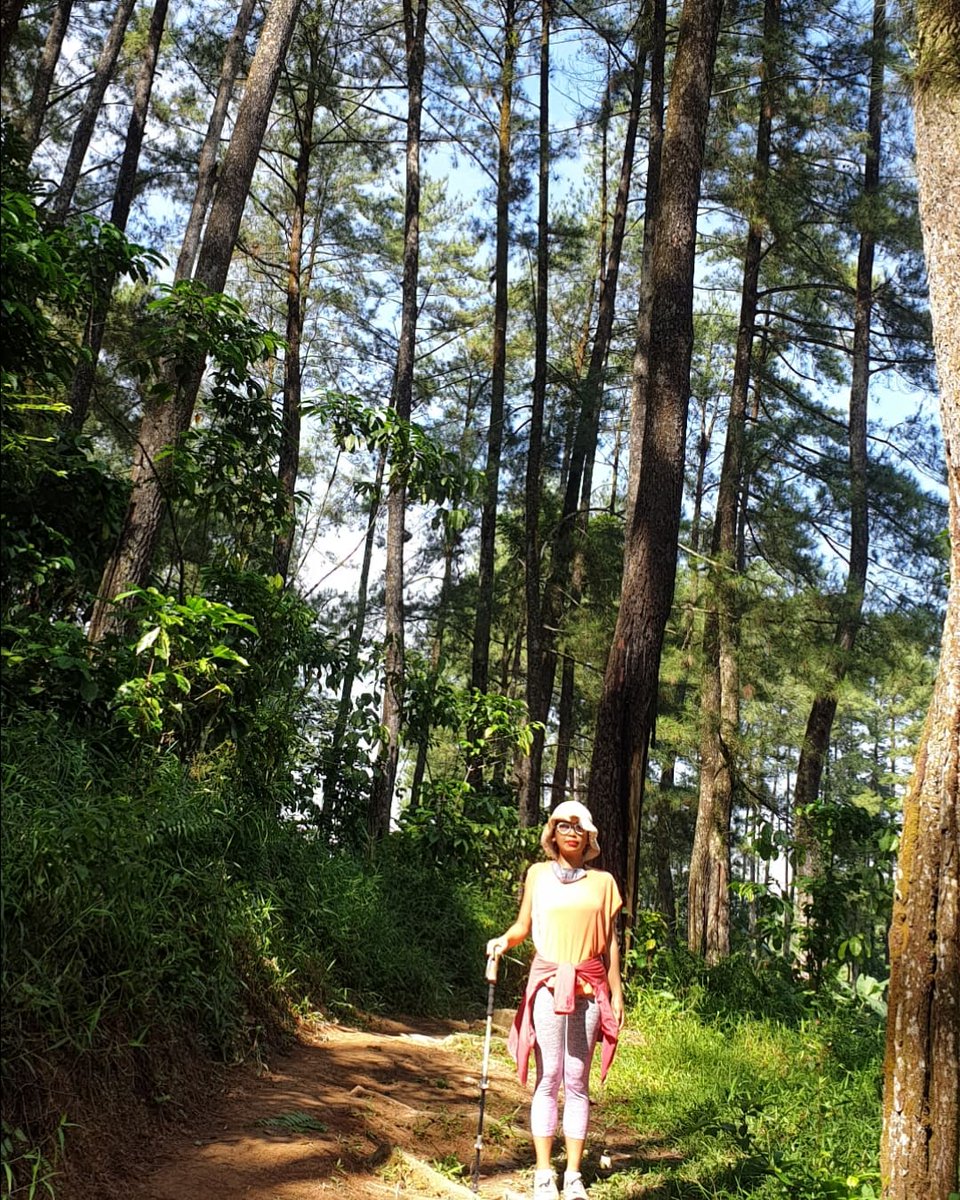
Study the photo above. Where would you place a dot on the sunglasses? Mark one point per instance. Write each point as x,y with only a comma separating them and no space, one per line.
566,827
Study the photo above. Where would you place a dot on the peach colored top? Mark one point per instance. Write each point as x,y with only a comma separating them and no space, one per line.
572,921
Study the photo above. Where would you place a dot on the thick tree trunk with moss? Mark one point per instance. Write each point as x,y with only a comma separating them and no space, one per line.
627,707
921,1103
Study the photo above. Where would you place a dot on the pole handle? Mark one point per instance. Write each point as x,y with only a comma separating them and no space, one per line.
493,962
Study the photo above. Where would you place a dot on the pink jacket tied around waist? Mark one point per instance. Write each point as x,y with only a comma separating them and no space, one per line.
593,971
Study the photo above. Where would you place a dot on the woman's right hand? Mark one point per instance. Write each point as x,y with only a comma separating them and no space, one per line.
497,946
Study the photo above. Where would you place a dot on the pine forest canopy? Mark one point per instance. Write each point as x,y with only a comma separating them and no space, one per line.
425,412
318,264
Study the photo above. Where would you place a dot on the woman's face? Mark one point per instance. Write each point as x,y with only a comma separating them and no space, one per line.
571,840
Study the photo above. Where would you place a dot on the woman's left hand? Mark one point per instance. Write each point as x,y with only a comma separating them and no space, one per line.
616,1003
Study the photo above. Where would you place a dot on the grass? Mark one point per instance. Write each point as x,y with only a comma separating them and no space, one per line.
293,1122
730,1106
186,914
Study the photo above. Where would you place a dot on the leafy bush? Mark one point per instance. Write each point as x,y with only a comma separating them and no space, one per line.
146,899
747,1105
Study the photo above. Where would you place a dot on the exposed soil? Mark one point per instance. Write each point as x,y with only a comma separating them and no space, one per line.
386,1109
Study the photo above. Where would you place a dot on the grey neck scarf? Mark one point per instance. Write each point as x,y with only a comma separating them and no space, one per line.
568,874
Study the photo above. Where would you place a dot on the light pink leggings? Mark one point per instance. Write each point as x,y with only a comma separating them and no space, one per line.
564,1051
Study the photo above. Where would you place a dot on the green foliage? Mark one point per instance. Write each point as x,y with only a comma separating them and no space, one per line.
433,474
766,989
293,1122
476,829
850,894
51,485
186,661
183,908
745,1104
486,724
25,1167
49,270
188,325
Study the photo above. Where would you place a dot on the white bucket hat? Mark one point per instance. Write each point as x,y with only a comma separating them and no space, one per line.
576,813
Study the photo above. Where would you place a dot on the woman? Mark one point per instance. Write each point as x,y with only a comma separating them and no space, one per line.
573,993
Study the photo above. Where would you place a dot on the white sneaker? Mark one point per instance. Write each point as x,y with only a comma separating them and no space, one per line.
573,1188
545,1186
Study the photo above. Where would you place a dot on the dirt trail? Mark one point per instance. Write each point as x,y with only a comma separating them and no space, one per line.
383,1110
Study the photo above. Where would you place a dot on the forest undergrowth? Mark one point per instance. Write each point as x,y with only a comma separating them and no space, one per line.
151,933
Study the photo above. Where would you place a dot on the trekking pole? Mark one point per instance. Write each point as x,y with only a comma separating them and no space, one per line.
491,976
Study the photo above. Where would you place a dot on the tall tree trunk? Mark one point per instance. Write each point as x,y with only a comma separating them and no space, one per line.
816,738
288,466
43,80
579,483
480,664
579,480
628,702
207,165
921,1124
530,784
708,909
589,425
451,543
81,387
415,27
640,370
332,784
165,421
103,73
10,12
565,723
662,844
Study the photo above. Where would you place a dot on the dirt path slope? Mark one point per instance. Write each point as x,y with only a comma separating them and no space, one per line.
388,1109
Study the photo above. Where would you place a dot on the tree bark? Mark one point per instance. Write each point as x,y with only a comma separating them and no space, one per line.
565,722
662,843
640,370
480,664
103,73
288,466
921,1127
588,426
81,387
164,421
10,12
816,738
565,577
451,543
628,701
531,767
207,165
708,909
43,81
385,775
332,784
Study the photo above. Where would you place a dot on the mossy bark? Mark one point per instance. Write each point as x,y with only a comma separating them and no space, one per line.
919,1151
